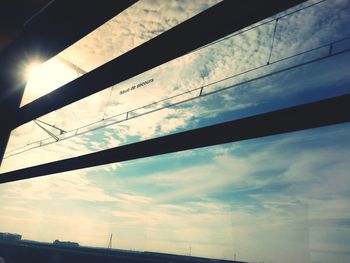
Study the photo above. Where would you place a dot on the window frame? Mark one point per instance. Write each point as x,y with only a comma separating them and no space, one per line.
214,23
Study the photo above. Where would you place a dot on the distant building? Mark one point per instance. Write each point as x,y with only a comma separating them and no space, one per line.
65,243
10,237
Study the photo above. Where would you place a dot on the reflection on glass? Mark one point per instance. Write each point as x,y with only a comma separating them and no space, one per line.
233,78
139,23
46,77
277,199
80,132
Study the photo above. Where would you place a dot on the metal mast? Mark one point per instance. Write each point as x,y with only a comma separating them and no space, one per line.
110,241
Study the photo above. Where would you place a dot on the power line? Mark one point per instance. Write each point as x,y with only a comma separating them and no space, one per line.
258,25
52,126
47,131
105,122
30,134
273,41
108,101
78,131
73,66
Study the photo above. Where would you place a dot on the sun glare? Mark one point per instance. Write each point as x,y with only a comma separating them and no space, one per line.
46,77
31,70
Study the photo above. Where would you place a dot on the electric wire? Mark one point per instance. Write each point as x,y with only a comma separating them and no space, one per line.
108,102
273,41
258,25
78,132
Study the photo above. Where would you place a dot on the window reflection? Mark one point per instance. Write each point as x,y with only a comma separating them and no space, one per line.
282,198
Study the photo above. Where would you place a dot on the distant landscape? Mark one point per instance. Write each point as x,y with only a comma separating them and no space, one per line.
15,250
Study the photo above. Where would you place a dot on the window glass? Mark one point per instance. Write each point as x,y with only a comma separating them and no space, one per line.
235,77
139,23
281,198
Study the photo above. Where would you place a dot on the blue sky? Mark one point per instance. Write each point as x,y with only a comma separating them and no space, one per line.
283,198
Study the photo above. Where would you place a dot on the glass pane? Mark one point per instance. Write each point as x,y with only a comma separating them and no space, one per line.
139,23
227,80
86,132
277,199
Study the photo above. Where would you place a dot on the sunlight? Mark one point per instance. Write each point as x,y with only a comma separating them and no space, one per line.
32,70
42,78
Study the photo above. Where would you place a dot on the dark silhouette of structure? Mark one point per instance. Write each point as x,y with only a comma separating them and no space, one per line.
10,237
65,243
110,241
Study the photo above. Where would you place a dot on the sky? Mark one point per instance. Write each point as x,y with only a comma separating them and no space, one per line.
282,198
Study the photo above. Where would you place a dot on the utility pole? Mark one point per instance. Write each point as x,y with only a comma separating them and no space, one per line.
110,242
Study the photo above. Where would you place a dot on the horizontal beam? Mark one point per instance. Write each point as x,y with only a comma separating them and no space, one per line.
216,22
326,112
50,31
59,25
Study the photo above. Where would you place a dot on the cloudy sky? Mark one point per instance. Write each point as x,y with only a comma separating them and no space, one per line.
282,199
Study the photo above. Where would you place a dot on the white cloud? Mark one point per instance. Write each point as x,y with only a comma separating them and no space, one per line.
192,71
312,27
139,23
160,221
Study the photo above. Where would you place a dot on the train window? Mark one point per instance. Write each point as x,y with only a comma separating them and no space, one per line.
252,71
252,201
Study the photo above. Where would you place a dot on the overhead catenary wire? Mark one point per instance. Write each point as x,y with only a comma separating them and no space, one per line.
316,114
73,66
200,89
52,126
272,41
259,25
47,131
30,133
77,131
108,102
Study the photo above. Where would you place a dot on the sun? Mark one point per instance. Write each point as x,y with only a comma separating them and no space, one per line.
42,78
32,70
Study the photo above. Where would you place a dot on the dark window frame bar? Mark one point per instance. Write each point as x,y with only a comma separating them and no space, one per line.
307,116
45,35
